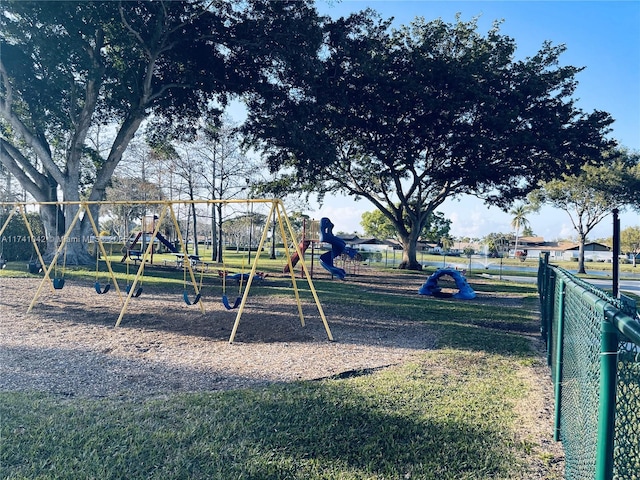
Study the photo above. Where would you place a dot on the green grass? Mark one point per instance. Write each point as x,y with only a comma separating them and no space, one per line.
451,414
448,416
459,324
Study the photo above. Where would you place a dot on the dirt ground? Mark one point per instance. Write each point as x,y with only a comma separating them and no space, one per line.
68,345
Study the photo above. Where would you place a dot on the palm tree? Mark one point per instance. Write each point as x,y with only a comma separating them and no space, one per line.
519,220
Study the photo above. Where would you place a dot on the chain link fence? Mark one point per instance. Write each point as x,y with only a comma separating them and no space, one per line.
593,347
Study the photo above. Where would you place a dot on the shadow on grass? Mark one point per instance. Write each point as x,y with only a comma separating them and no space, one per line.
319,430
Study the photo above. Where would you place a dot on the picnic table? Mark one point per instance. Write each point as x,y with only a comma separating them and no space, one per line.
236,277
194,259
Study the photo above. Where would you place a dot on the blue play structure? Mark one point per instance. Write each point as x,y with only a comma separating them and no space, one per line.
430,287
338,247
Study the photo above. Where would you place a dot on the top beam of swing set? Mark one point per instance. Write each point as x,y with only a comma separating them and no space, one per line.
277,210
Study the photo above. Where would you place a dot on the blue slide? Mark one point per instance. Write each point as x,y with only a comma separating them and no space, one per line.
166,243
338,247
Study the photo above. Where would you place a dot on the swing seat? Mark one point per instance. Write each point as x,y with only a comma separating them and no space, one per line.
187,300
137,293
228,306
34,267
58,283
101,290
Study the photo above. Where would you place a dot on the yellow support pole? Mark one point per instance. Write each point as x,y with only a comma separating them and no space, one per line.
307,275
47,272
254,267
292,272
281,213
145,255
33,240
103,251
186,260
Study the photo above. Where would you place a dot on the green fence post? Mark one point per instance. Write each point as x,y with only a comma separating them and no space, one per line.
557,368
607,407
549,313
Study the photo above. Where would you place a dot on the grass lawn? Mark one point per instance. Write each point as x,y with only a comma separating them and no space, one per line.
460,411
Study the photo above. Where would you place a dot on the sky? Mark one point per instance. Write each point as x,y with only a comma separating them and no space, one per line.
602,36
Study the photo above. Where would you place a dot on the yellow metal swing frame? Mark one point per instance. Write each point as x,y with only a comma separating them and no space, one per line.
277,211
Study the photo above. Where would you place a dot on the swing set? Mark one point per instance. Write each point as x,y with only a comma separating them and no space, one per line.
225,300
21,208
134,289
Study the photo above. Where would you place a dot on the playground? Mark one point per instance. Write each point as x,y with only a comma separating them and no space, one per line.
165,346
63,344
68,349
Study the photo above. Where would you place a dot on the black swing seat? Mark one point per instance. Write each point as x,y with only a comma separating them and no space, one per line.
137,293
228,306
58,283
187,300
101,290
34,267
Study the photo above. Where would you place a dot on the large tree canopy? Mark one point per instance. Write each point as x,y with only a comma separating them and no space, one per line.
69,68
407,118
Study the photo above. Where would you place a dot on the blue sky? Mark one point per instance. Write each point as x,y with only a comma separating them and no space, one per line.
602,36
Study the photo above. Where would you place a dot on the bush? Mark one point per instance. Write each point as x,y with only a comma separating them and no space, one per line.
16,243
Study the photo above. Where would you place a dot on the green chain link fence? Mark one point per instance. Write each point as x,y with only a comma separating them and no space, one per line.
593,347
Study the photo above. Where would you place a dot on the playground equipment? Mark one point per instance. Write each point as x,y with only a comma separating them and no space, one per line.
166,210
225,300
100,290
430,287
129,251
309,236
302,246
58,280
338,247
34,266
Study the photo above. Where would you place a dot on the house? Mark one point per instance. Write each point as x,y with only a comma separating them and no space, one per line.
593,252
367,244
535,246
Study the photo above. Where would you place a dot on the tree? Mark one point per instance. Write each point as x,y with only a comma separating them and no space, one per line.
124,214
623,179
226,168
519,220
630,241
376,224
583,199
497,244
72,66
410,117
446,242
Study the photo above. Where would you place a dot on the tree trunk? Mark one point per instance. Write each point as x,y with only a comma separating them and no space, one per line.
56,225
410,253
581,268
53,222
214,233
220,247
